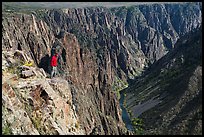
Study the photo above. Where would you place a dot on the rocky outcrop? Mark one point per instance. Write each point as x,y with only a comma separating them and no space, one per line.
180,16
77,65
36,105
99,49
134,36
168,96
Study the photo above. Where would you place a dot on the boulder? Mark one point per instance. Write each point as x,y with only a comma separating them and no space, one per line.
27,73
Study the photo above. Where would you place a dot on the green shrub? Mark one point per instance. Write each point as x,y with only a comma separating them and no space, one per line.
137,124
118,85
6,130
37,124
14,69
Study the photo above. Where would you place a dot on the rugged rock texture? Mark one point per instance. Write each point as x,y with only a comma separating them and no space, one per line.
36,105
168,96
78,66
128,38
100,50
134,36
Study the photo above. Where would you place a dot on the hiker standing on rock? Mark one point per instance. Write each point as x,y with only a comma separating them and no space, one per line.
54,65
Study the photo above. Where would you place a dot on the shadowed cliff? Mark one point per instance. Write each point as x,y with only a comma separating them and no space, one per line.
168,96
100,50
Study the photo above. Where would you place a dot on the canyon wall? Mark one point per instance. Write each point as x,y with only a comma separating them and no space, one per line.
100,50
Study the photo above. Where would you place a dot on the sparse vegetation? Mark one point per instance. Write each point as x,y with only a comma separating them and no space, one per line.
10,8
6,130
137,124
37,124
119,85
40,13
103,41
15,68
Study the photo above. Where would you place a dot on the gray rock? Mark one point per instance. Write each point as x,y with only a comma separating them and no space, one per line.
27,73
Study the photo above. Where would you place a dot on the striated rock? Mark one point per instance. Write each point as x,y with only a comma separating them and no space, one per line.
98,48
13,115
38,107
155,32
168,96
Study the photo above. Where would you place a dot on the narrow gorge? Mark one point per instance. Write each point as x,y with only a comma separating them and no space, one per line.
101,52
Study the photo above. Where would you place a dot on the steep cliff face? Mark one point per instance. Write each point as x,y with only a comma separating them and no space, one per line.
98,48
95,29
131,36
180,16
134,36
168,96
33,104
96,107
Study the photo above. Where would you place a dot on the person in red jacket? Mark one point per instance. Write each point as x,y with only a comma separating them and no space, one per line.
54,65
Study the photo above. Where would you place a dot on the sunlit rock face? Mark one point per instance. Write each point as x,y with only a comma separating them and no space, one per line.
95,106
98,48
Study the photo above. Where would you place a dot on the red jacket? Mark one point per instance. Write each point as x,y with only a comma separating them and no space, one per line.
54,61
